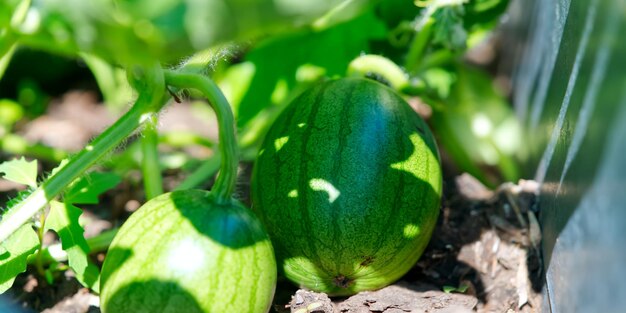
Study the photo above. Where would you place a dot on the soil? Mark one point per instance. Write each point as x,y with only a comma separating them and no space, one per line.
483,256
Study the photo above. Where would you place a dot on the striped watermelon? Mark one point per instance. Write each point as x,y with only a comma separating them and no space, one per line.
348,183
182,252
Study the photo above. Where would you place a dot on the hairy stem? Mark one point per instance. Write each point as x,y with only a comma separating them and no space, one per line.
152,179
39,258
225,183
151,99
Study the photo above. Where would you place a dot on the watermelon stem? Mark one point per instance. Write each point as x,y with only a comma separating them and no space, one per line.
149,82
153,181
225,183
365,65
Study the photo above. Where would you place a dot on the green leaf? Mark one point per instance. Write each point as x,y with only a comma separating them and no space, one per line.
273,69
111,80
484,14
63,219
59,167
87,189
20,171
14,253
461,289
448,29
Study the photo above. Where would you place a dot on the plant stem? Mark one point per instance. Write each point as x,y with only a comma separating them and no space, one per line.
149,101
152,179
39,258
376,64
6,53
225,183
418,46
439,58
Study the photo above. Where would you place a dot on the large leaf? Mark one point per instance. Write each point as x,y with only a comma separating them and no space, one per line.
63,219
273,69
135,32
20,171
14,253
111,80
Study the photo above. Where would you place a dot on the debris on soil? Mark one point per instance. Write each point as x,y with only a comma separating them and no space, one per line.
310,302
404,297
32,293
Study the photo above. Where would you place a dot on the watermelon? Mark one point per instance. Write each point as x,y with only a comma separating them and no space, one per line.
348,184
184,252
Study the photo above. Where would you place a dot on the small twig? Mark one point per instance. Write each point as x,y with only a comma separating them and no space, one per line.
508,192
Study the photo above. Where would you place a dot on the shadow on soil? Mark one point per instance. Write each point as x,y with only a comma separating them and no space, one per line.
460,232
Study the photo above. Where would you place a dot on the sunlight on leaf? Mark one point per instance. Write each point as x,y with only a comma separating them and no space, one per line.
461,289
281,91
20,171
63,219
236,81
309,73
14,254
281,57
